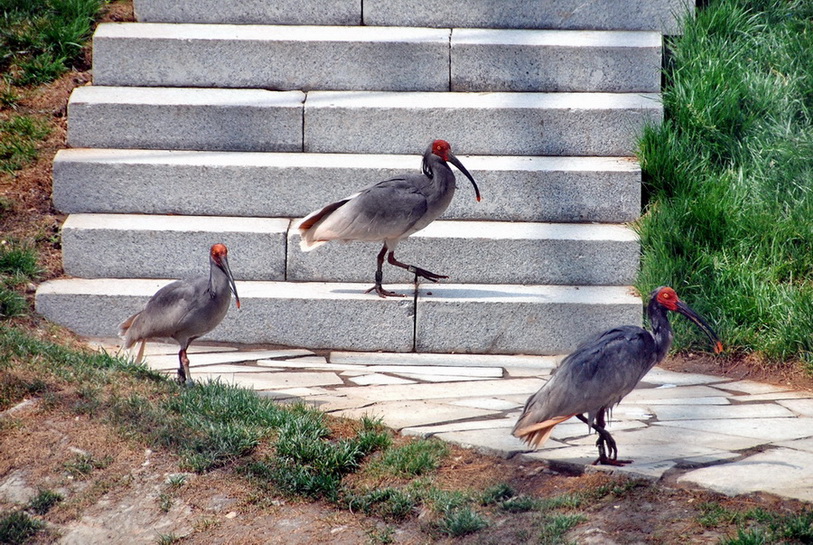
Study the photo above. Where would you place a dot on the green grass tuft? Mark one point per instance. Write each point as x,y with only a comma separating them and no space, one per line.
415,458
17,528
44,501
729,222
19,137
461,521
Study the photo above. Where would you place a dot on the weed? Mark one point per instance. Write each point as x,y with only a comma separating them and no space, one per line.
554,527
461,521
19,136
176,481
18,261
387,503
84,464
44,501
12,304
381,536
17,527
520,504
165,502
414,458
167,539
746,537
497,493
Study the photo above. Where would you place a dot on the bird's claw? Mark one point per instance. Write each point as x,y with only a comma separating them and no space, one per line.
384,293
612,459
423,273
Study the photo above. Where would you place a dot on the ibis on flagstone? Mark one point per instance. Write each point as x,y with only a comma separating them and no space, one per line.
184,310
390,211
601,371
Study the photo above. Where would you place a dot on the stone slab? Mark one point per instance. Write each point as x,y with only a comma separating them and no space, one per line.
112,345
403,414
458,360
272,57
660,376
545,189
490,403
782,471
271,381
721,412
146,246
644,395
798,444
766,429
289,12
441,378
512,318
751,387
336,316
196,119
485,442
196,360
311,364
496,425
602,124
470,372
485,60
802,407
661,15
376,379
484,252
443,391
667,438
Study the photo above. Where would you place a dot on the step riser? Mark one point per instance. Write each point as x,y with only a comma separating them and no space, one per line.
175,247
484,124
126,182
254,120
658,15
374,58
476,319
359,122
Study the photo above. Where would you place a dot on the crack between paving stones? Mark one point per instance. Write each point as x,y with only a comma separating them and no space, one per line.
415,316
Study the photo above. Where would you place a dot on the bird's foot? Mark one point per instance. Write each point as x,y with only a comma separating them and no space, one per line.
384,293
423,273
603,459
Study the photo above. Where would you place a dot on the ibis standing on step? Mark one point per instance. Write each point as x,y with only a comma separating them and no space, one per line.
184,310
390,211
601,371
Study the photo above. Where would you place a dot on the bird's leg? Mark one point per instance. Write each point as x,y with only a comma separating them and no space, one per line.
184,375
413,269
379,275
604,442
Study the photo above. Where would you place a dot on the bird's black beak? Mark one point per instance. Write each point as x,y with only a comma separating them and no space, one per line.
456,162
224,264
687,311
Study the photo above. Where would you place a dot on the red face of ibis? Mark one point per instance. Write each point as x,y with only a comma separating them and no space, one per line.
218,252
441,148
668,298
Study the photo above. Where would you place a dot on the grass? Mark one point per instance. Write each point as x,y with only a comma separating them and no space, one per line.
758,526
19,136
729,220
18,265
44,501
17,528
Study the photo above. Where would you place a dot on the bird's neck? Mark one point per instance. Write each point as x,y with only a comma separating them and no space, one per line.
661,329
218,282
437,170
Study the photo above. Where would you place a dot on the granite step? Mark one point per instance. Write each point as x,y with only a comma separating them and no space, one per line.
375,58
544,189
144,246
601,124
483,319
660,15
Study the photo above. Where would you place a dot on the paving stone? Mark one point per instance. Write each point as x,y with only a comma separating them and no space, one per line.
441,378
457,360
643,395
575,431
227,369
473,372
272,381
290,12
519,372
774,396
660,376
591,124
490,403
376,379
652,471
668,438
301,57
684,401
803,407
720,412
486,442
488,60
148,246
316,364
403,414
765,429
441,391
782,471
161,361
156,348
799,444
504,424
751,387
640,454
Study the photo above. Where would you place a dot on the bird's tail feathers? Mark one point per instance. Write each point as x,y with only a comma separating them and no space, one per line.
310,223
124,329
537,433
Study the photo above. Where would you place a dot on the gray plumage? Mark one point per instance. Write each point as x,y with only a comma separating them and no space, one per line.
389,211
184,310
601,372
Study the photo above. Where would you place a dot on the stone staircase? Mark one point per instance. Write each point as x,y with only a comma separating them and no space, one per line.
225,121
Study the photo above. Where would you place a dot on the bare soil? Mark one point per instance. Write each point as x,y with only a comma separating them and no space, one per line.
125,498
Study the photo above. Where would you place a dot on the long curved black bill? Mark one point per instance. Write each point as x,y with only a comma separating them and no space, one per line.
224,260
687,311
456,162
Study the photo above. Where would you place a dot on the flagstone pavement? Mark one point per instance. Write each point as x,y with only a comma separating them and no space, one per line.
731,436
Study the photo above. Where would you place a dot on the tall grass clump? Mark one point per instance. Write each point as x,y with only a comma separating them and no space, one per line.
729,176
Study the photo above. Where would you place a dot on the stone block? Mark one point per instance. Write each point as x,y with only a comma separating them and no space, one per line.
510,319
484,253
602,124
660,15
555,61
198,119
548,189
293,314
289,12
142,246
271,57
